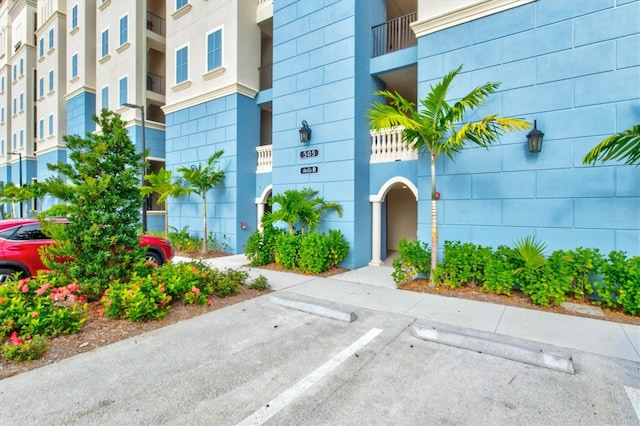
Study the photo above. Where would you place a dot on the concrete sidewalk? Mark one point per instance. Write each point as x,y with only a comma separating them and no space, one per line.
372,287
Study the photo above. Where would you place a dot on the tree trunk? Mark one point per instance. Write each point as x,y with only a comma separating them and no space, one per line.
204,223
434,223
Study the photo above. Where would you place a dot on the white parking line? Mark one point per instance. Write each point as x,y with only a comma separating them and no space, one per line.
634,396
277,404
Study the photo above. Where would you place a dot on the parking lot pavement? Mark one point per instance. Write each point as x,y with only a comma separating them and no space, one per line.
258,362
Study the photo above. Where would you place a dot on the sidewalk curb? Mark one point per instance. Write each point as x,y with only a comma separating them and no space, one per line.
508,347
314,306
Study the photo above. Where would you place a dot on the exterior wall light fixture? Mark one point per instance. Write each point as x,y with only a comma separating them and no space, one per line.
534,138
305,132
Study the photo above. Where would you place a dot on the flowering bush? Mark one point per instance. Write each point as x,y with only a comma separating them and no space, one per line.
39,306
148,297
142,299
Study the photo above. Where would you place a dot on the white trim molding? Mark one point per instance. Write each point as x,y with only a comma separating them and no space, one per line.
464,14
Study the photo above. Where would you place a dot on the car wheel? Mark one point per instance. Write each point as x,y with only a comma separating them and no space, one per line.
7,274
154,257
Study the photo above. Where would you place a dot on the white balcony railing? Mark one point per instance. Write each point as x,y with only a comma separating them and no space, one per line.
265,159
387,145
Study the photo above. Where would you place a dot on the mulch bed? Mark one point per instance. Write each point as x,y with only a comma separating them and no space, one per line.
517,298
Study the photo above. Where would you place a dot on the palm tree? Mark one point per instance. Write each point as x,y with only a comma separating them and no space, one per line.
621,146
163,184
299,206
200,179
437,129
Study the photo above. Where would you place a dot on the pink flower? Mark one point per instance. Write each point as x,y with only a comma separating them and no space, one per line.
34,314
210,302
15,339
25,288
195,289
73,287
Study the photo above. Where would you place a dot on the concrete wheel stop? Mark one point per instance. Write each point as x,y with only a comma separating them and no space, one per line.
515,349
314,306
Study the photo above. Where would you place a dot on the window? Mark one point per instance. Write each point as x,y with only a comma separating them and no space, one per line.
124,29
41,128
15,106
21,138
2,146
51,38
21,101
181,3
2,84
214,50
105,43
105,97
51,81
41,87
15,72
182,64
15,139
74,65
2,115
123,90
74,16
21,66
41,47
50,124
29,232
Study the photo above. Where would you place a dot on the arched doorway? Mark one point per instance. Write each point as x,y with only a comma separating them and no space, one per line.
262,204
394,216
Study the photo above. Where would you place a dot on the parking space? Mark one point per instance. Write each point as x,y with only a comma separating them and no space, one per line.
260,363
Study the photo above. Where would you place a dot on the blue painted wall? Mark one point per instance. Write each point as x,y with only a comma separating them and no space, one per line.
575,68
321,54
195,133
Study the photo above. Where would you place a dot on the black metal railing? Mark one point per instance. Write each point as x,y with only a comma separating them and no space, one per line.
266,76
155,83
394,35
155,23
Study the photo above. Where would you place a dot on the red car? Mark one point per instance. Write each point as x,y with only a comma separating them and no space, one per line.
20,240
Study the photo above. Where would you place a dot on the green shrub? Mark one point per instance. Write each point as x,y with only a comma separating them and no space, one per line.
620,285
286,250
259,283
414,261
183,241
259,248
313,253
338,247
19,350
463,264
499,275
229,282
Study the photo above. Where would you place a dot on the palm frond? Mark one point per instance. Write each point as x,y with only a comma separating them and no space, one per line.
621,146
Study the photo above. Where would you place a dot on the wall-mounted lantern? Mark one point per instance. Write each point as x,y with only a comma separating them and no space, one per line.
534,138
305,132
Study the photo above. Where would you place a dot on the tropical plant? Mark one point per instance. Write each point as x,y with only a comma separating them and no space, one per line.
437,129
624,146
199,180
101,189
164,185
301,207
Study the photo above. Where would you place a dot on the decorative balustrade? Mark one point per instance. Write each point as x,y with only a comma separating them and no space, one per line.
265,159
387,145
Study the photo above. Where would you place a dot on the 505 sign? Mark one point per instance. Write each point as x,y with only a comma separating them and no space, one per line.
309,153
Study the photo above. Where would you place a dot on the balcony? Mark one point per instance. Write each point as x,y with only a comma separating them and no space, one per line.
156,24
265,159
155,83
387,145
394,35
266,76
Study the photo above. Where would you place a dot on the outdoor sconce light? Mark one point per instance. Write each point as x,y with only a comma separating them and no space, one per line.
305,132
534,138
